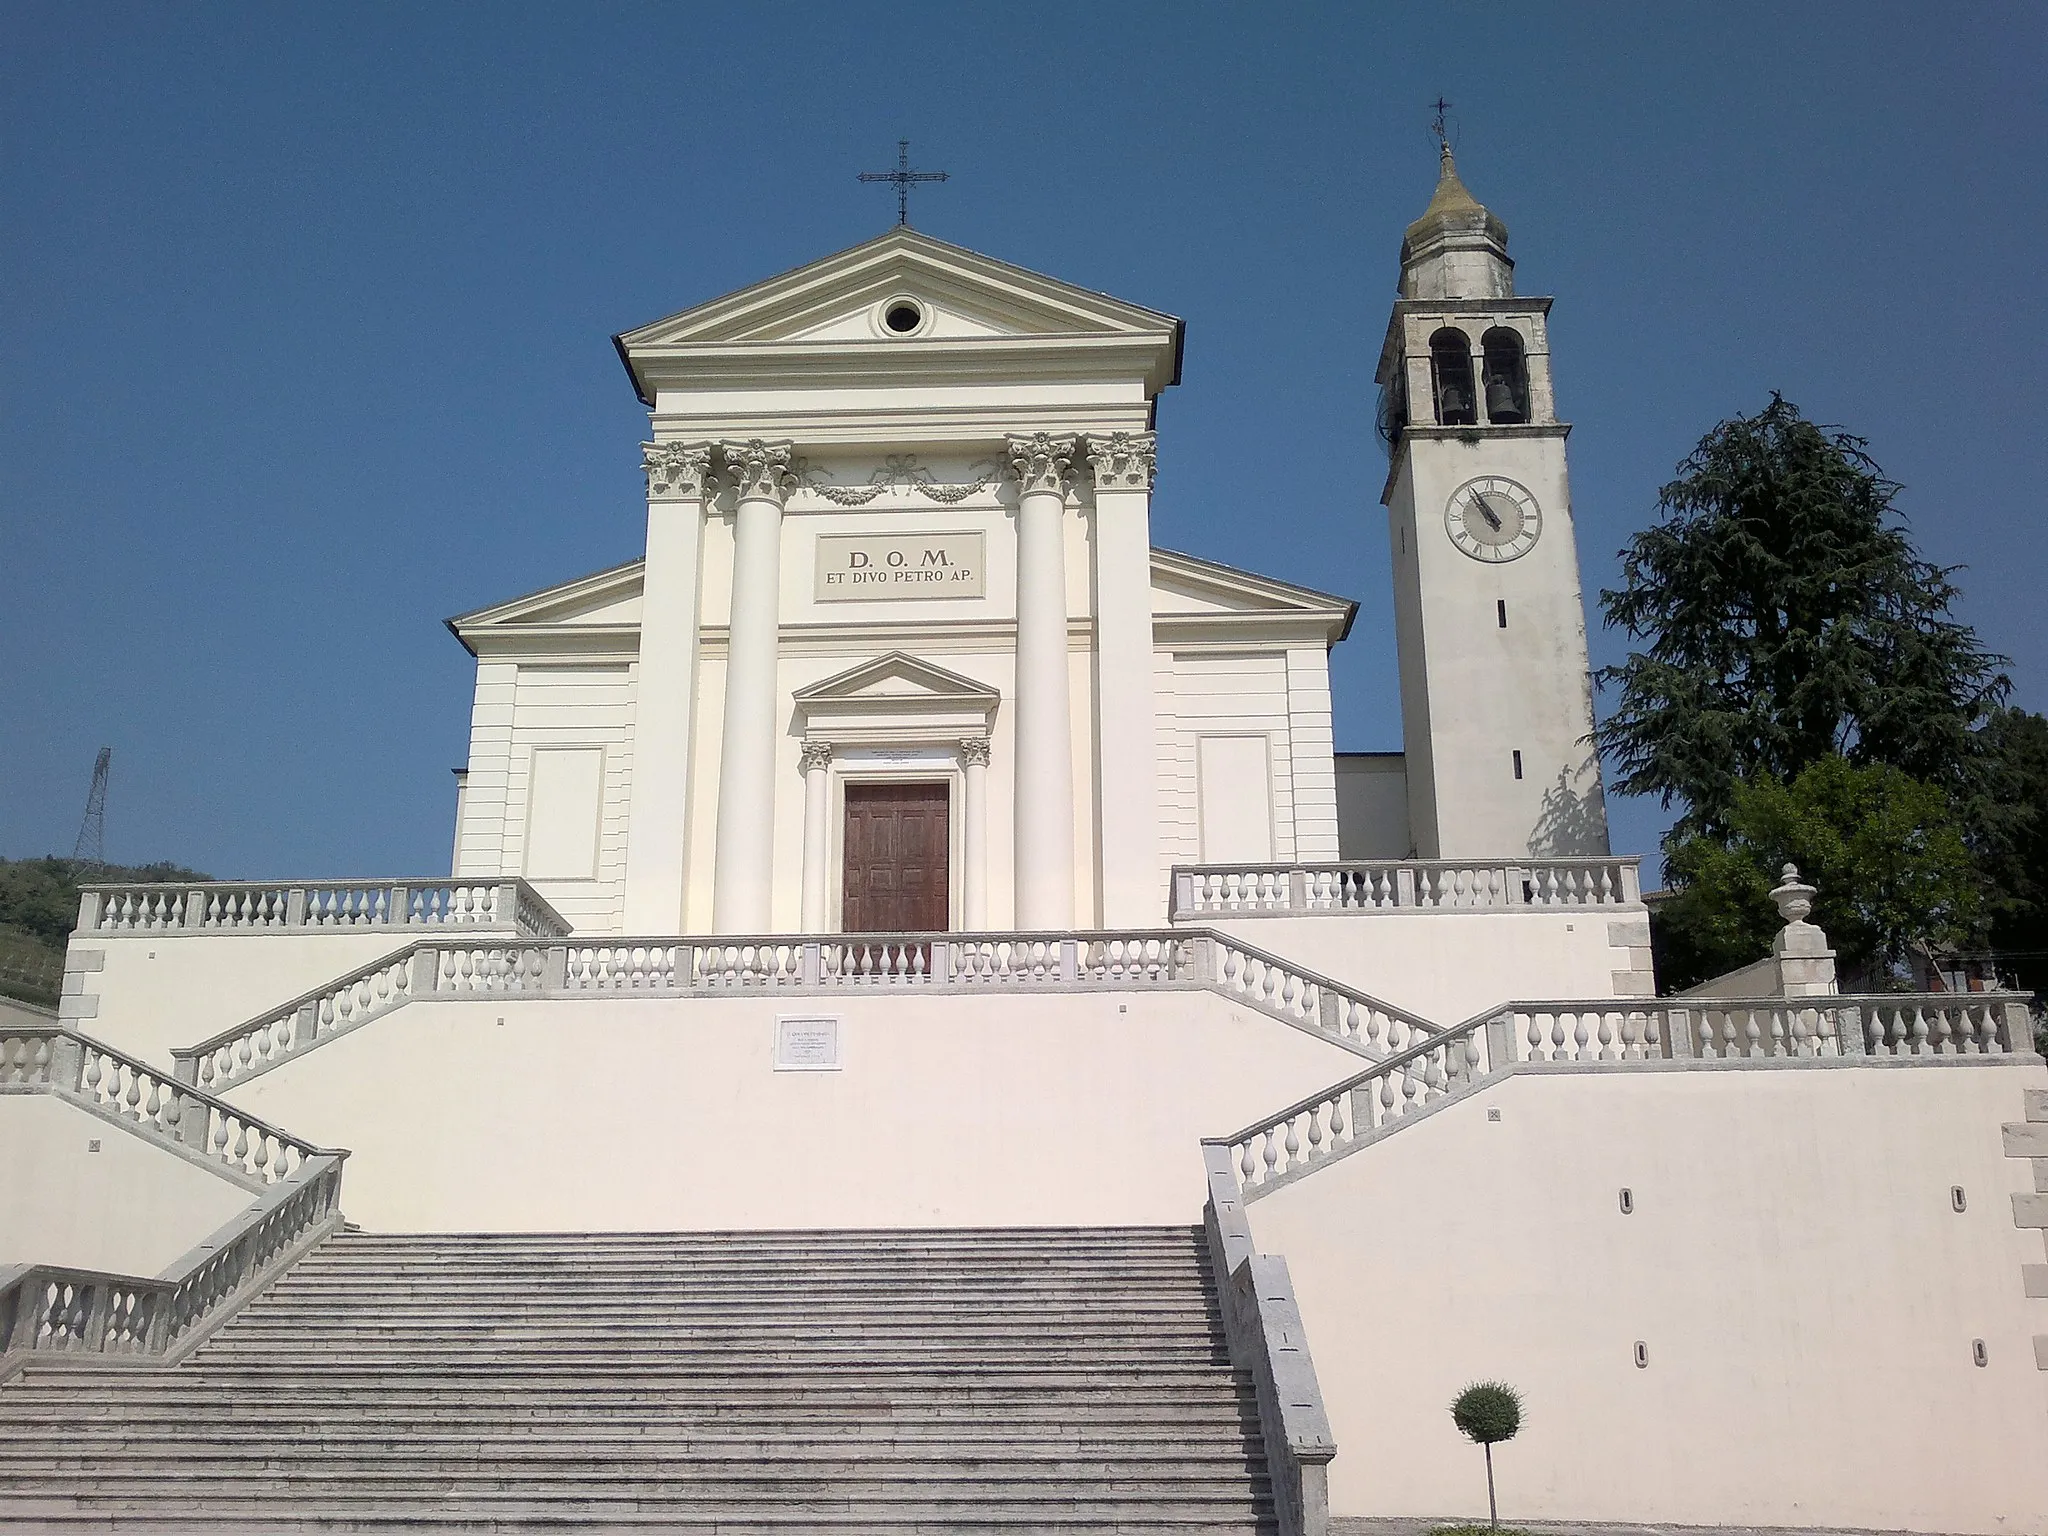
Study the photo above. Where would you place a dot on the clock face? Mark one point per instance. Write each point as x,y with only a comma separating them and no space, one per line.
1492,519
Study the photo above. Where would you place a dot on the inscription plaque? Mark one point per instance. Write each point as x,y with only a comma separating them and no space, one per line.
807,1044
857,567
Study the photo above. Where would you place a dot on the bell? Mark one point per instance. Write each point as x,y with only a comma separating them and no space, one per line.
1454,404
1500,402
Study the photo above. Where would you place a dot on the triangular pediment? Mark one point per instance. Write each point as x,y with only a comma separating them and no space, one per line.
980,294
898,677
604,601
971,307
1184,586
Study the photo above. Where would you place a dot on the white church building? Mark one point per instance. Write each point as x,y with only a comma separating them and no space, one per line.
925,1032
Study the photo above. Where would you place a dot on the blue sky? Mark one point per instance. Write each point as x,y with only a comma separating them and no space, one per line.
307,316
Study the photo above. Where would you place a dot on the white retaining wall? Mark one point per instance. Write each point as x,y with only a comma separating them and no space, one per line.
1448,966
1806,1293
145,993
656,1115
130,1207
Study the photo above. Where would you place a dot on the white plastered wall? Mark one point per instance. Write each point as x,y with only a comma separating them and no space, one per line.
1805,1292
1448,966
667,1114
1280,694
147,993
1372,806
541,705
101,1196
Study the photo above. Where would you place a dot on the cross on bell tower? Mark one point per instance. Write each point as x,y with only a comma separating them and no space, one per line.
903,177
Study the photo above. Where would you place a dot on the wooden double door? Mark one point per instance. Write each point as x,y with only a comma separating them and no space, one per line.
896,876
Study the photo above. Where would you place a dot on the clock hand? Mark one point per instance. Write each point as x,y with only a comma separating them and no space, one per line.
1492,517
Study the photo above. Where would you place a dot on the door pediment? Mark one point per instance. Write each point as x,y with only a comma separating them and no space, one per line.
896,699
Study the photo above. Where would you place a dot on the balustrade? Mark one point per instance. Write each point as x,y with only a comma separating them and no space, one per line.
1402,885
59,1061
317,906
1181,959
49,1312
1611,1034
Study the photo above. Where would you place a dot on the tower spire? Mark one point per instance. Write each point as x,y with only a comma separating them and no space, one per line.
1457,249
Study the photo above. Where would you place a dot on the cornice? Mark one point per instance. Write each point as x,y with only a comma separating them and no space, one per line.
1247,631
982,427
983,359
1553,429
592,642
1532,304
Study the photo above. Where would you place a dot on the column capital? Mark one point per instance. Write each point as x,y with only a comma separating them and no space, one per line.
1042,461
815,755
1122,461
760,470
974,752
676,471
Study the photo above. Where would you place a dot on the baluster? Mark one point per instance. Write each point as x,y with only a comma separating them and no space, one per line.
1943,1036
1606,1037
1919,1030
1536,1052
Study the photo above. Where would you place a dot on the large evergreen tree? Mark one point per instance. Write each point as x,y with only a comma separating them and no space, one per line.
1788,618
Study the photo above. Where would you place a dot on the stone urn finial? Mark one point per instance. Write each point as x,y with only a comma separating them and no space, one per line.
1793,896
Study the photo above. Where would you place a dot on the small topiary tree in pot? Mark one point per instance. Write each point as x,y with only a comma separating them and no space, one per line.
1488,1412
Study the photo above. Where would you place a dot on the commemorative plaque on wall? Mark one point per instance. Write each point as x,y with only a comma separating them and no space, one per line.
853,567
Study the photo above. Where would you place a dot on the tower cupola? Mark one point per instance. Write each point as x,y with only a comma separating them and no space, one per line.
1456,250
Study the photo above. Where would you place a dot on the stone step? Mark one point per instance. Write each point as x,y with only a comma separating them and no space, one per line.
863,1238
779,1421
36,1517
571,1459
759,1485
872,1384
683,1334
991,1280
58,1434
876,1387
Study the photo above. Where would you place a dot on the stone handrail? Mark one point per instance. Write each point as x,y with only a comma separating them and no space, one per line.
52,1059
953,963
1262,1325
50,1314
317,906
1604,1033
1402,885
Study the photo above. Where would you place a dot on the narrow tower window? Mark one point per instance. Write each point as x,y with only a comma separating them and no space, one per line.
1518,762
1500,607
1506,377
1450,368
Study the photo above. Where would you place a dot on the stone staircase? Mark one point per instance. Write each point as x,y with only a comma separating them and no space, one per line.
1070,1380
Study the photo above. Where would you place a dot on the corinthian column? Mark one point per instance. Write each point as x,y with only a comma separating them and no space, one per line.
742,873
1126,737
1045,754
678,486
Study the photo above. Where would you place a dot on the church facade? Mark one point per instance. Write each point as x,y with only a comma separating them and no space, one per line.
901,654
924,1031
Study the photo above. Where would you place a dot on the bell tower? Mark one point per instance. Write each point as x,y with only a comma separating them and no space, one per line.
1496,696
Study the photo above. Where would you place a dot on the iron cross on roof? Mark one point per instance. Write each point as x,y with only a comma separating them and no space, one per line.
903,176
